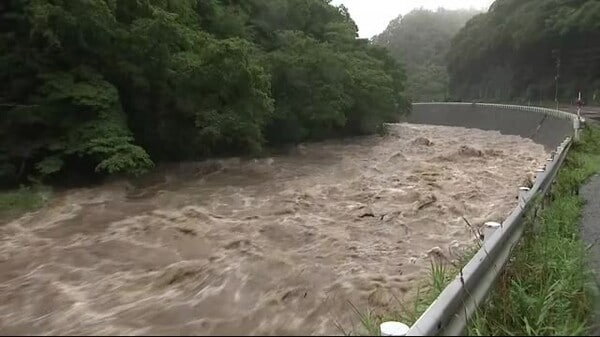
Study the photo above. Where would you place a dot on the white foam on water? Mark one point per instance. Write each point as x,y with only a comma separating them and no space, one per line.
273,246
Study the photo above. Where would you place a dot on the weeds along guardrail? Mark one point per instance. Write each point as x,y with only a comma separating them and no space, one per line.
450,313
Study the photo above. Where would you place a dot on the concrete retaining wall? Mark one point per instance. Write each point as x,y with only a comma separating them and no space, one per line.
544,126
449,313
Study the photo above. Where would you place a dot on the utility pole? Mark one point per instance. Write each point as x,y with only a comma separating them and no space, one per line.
556,55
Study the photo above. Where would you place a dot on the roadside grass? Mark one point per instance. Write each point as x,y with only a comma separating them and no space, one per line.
406,313
14,203
548,288
409,309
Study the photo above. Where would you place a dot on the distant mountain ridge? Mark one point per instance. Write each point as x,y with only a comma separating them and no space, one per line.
421,40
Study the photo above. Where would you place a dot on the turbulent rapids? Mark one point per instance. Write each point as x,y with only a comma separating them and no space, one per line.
280,245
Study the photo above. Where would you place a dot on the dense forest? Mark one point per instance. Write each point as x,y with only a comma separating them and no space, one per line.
420,40
515,51
114,86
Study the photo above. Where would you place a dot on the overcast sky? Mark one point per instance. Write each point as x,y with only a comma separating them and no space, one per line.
373,16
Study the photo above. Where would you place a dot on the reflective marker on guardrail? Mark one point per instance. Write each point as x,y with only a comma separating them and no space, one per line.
450,313
539,172
523,196
393,329
489,228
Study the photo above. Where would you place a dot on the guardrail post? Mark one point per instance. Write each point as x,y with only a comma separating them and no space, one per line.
489,228
539,173
392,328
576,127
449,314
522,196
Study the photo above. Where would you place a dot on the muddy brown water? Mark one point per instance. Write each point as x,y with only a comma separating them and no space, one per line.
279,245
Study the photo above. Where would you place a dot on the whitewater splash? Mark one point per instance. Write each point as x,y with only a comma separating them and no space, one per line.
271,246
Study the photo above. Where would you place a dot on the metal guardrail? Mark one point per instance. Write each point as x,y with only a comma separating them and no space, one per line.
449,314
550,112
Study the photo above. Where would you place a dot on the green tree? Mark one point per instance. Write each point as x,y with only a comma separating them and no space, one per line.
114,85
510,53
421,40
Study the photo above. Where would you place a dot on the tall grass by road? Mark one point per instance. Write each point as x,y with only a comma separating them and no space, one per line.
411,308
548,288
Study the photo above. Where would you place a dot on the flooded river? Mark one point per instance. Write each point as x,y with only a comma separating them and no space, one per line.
278,245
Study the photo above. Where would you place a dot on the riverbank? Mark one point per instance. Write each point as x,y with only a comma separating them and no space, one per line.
548,288
16,202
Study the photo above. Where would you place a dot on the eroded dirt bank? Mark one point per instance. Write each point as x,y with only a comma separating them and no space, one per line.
273,246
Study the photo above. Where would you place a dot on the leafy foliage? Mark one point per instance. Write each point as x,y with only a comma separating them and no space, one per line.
114,85
421,40
510,53
548,288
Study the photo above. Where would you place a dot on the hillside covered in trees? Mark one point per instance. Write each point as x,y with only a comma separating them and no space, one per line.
514,52
420,40
117,85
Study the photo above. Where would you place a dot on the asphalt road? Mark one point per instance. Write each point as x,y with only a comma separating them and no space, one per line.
588,112
590,218
590,229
